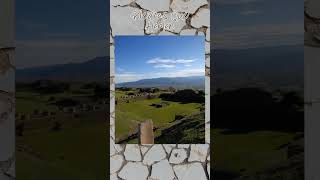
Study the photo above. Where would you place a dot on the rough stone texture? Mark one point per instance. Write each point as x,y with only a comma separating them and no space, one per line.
208,169
208,34
168,147
144,149
112,52
7,91
184,146
207,133
113,176
122,23
190,6
134,171
188,32
111,40
132,152
162,171
166,33
190,171
156,153
201,18
198,153
7,21
168,161
4,177
178,156
120,2
177,24
116,163
154,5
150,24
207,47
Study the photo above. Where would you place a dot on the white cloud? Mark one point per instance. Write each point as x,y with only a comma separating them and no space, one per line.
128,77
258,36
169,63
164,66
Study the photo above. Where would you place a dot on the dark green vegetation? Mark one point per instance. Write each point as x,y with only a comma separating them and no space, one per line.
258,134
61,130
178,116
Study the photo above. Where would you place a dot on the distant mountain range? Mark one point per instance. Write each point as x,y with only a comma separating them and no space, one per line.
269,67
92,70
193,82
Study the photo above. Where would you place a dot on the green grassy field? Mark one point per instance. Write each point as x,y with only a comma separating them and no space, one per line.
129,115
76,151
244,154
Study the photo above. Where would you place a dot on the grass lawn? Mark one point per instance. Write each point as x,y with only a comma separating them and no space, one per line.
27,102
78,153
128,115
248,152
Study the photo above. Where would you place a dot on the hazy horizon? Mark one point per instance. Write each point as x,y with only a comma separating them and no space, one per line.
160,78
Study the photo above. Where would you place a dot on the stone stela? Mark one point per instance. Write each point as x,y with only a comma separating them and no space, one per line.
146,132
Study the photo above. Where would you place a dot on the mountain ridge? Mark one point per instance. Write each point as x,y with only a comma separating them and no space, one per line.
194,82
91,70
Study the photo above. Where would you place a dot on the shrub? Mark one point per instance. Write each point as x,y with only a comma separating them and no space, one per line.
57,126
184,96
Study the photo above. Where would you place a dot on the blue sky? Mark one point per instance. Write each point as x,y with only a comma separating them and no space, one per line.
143,57
240,24
60,31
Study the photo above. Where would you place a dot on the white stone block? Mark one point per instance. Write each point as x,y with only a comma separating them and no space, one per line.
113,176
198,152
132,152
134,171
115,163
190,6
207,47
120,2
191,32
154,5
162,171
193,171
156,153
168,147
201,19
122,22
112,52
144,149
178,156
186,146
4,177
177,24
208,169
208,34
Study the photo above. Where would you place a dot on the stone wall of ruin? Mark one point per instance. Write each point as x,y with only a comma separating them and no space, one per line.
7,91
160,161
